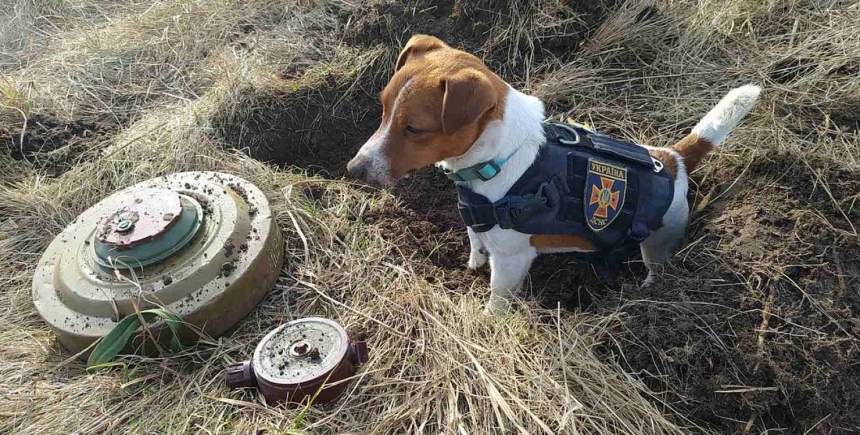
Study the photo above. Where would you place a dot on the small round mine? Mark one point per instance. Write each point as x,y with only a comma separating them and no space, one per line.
300,352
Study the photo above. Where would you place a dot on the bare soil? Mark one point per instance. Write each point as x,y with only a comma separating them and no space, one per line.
757,320
50,144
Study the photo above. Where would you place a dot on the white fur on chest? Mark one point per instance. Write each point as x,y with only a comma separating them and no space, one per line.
518,134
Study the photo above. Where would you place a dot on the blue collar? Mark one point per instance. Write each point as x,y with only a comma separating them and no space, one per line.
484,171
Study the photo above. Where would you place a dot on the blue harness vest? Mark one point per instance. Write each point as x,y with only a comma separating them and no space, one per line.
582,183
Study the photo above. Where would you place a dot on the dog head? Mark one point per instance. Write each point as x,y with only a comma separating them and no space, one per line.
436,105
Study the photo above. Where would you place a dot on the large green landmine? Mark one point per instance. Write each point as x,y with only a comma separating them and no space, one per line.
202,245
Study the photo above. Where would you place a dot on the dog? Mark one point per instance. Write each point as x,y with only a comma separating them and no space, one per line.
443,106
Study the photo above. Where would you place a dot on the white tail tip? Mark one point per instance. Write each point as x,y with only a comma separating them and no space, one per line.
719,122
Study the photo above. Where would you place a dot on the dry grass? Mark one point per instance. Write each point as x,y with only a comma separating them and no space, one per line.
164,80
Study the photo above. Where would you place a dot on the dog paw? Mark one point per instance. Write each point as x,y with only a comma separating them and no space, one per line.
497,307
650,280
477,259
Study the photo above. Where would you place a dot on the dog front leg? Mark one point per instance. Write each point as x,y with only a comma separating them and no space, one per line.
478,253
507,275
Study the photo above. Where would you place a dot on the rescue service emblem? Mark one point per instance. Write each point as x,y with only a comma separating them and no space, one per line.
605,187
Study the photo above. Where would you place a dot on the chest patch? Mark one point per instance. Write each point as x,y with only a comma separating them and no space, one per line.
605,188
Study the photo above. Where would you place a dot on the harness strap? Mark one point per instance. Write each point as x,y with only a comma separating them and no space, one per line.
638,230
481,215
565,134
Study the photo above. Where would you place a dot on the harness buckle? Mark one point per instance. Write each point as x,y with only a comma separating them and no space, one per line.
568,129
467,215
658,164
511,210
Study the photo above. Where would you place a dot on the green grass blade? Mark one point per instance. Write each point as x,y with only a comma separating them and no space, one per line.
112,343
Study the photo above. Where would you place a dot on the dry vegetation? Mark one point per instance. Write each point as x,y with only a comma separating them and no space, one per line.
755,330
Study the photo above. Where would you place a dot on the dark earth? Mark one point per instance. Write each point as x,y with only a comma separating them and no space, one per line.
51,145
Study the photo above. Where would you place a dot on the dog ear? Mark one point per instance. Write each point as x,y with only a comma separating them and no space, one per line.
417,46
469,94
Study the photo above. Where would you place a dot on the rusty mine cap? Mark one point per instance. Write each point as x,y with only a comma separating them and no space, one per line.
204,245
149,226
141,216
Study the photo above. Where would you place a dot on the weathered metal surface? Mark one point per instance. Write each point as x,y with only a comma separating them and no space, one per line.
295,360
182,228
141,216
213,281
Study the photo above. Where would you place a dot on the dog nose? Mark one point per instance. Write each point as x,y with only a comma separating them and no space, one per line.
357,168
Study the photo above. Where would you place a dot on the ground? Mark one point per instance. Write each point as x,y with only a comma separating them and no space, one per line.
754,328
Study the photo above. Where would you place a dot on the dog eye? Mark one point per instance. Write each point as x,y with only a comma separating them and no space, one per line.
413,131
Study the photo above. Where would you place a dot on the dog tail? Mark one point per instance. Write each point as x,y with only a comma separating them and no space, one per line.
716,125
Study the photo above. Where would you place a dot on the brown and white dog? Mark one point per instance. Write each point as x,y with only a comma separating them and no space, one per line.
444,106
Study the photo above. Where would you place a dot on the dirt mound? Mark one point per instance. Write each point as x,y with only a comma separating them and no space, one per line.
502,33
760,323
50,144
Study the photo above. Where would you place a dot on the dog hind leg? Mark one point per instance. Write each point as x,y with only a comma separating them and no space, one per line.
657,248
